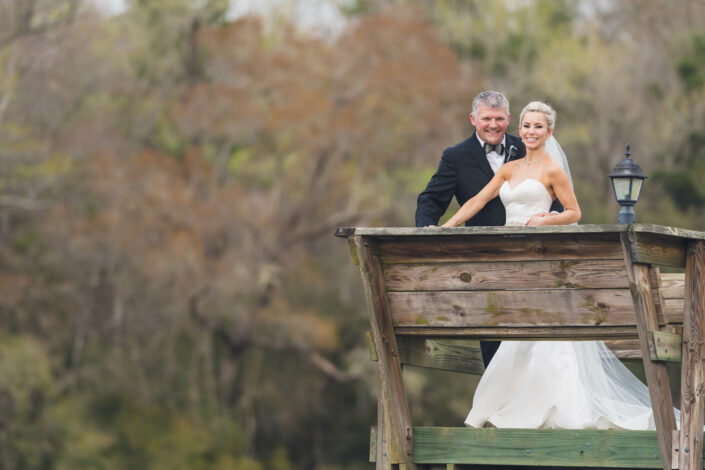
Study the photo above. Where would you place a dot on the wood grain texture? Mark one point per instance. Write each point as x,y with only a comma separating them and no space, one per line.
450,355
674,232
671,232
693,369
625,348
398,431
656,373
673,311
501,275
490,248
571,307
434,232
649,248
353,251
522,333
667,346
540,283
538,447
673,285
371,344
384,454
655,284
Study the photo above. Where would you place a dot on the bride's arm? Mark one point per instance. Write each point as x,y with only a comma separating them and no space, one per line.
564,192
474,204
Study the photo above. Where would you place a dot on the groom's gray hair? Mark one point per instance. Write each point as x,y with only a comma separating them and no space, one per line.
491,99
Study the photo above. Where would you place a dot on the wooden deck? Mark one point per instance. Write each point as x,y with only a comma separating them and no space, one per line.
424,285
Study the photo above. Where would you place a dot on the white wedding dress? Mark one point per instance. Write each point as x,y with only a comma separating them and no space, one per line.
556,384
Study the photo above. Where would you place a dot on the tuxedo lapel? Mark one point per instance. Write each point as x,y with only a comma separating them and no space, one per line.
478,154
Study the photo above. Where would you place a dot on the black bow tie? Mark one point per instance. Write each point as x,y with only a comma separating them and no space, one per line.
499,148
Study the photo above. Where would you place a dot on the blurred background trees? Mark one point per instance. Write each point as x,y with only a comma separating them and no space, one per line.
171,295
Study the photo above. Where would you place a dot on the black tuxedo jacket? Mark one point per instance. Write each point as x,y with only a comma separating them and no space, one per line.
463,172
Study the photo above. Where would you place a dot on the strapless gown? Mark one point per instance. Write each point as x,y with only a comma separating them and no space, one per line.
556,384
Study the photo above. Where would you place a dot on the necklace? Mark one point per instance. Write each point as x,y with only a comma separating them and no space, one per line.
535,161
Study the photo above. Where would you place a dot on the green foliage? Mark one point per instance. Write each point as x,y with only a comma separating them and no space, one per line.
691,67
108,431
28,437
171,177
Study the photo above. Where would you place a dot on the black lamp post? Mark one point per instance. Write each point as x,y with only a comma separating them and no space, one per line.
627,179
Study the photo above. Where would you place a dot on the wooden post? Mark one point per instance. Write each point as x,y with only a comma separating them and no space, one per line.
656,373
693,371
384,436
397,430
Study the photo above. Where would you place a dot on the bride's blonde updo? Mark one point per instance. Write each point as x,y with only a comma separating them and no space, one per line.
540,107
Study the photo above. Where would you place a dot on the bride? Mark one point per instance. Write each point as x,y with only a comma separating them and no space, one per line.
549,384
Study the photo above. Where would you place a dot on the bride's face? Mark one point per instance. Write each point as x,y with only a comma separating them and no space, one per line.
534,130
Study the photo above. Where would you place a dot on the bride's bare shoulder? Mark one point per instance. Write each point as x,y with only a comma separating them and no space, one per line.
507,169
555,171
510,166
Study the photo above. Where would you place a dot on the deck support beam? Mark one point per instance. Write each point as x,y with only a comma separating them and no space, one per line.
647,319
693,369
395,432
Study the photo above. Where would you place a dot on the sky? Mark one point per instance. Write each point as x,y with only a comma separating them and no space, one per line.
313,14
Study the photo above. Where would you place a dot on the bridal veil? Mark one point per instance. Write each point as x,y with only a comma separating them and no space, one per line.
554,150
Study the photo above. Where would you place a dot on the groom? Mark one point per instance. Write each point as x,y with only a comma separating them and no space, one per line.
468,166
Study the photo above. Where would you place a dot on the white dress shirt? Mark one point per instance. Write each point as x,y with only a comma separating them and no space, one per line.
493,158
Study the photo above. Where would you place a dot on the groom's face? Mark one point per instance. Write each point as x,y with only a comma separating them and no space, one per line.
490,123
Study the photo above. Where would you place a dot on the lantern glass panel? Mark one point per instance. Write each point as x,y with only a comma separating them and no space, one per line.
636,188
622,188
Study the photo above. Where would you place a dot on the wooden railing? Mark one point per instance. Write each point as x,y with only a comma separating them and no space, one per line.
424,285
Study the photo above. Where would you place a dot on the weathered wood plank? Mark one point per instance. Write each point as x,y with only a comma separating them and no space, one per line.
673,311
675,461
383,448
378,232
649,248
498,275
673,285
521,333
667,346
655,284
460,466
353,251
450,355
487,248
693,369
572,307
538,447
674,232
625,348
669,232
439,354
398,433
371,344
656,373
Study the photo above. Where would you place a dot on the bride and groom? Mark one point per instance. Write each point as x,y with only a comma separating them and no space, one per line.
529,384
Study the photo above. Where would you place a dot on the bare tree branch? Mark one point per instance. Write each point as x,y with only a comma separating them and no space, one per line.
18,202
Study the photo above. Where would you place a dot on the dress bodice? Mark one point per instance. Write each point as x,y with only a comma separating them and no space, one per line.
528,198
